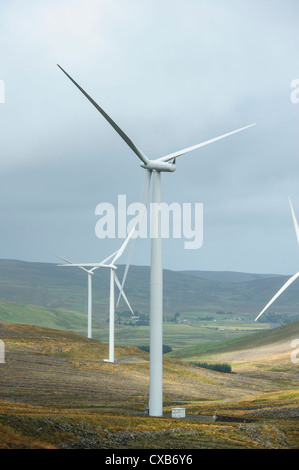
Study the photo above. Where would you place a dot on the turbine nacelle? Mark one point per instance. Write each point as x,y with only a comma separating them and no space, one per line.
158,166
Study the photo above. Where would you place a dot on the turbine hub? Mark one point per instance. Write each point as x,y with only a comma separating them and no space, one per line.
159,166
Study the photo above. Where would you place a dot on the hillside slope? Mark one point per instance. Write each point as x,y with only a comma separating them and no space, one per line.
46,366
56,392
50,286
57,318
228,276
269,349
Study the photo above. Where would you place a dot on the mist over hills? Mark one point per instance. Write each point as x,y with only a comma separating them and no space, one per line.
187,292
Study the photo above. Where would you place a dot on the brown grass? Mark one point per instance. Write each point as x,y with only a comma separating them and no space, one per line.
56,391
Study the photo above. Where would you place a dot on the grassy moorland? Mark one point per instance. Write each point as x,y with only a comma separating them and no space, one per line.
56,392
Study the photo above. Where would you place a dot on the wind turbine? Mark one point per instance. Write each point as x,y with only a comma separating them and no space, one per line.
113,280
166,163
90,273
293,278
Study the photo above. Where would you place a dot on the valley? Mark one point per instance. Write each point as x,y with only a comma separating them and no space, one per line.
56,391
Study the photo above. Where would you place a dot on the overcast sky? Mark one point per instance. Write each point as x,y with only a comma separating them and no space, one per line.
171,73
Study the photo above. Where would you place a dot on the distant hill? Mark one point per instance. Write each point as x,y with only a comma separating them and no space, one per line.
229,276
55,318
189,293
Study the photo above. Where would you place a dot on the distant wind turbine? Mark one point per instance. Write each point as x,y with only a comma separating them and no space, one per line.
113,280
90,273
157,166
293,278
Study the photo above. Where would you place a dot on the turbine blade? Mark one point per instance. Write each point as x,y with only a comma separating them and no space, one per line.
294,220
81,265
71,264
194,147
143,197
107,259
94,269
122,292
281,290
122,248
128,141
64,259
143,200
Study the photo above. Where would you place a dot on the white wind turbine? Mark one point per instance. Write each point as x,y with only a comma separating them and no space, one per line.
90,273
293,278
157,166
113,280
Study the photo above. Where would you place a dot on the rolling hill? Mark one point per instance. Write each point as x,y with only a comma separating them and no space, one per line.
228,276
57,393
194,293
244,344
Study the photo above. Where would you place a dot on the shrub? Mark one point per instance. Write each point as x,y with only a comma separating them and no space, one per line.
166,349
226,368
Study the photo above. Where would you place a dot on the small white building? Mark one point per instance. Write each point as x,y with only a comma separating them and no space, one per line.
178,412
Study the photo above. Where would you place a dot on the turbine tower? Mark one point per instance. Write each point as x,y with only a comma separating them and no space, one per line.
90,273
293,278
155,167
113,280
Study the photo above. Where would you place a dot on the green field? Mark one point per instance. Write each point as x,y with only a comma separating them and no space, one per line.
57,318
178,336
